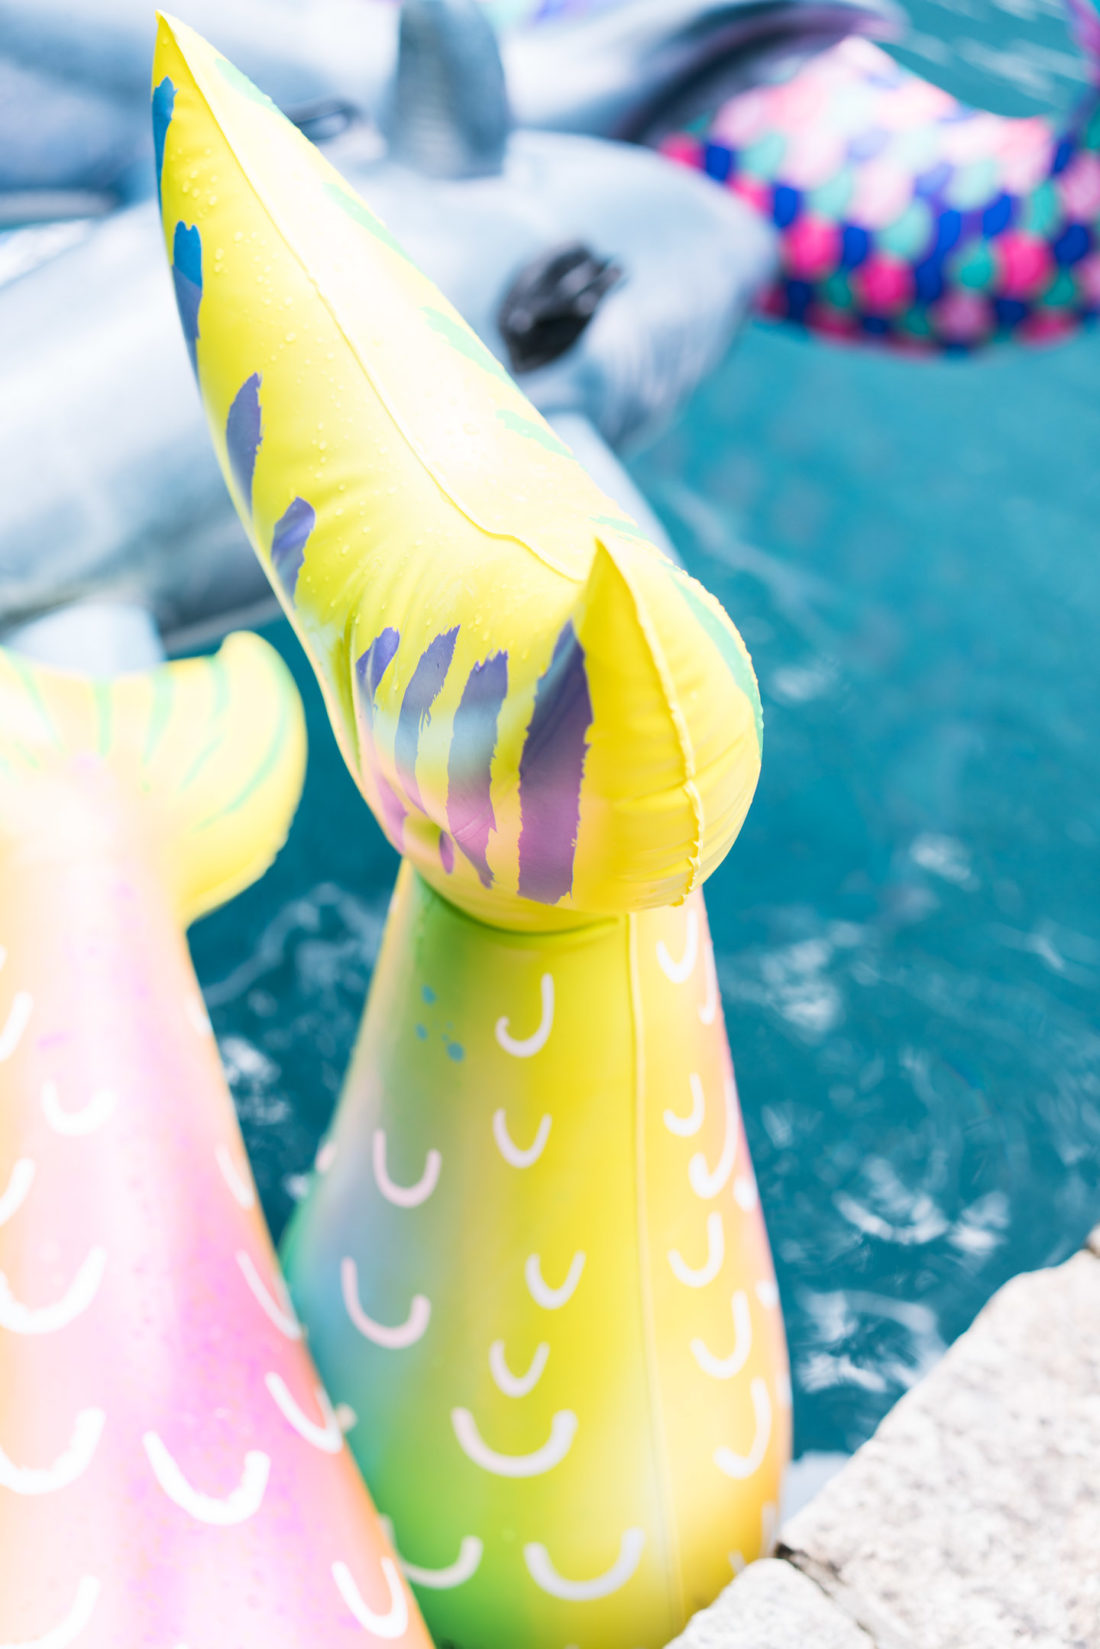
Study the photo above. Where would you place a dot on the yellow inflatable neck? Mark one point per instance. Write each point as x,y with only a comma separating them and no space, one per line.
547,718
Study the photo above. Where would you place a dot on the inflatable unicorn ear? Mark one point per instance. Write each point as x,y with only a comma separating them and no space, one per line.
534,1264
171,1471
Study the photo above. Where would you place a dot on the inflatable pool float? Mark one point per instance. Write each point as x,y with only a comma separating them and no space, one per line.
534,1262
171,1470
905,217
132,506
74,130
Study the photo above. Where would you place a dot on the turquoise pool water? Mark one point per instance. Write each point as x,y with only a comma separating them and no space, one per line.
909,926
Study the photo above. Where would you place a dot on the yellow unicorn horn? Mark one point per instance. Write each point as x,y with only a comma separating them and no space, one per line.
541,711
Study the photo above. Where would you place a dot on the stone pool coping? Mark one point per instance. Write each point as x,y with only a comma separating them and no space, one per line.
971,1519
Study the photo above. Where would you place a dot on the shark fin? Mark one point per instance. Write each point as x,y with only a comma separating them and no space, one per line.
446,112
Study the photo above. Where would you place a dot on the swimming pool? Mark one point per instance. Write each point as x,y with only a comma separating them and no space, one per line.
908,930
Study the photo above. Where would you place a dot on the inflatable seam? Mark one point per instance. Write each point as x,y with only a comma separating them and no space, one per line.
666,1531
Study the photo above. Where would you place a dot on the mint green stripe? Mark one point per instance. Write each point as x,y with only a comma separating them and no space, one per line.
466,342
270,760
164,688
104,709
199,763
217,715
364,217
734,657
519,425
34,693
629,529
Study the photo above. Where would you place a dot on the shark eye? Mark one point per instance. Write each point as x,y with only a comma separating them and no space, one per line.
324,119
550,303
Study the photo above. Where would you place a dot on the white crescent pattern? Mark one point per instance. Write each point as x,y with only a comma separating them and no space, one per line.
716,1253
394,1339
705,1182
724,1368
47,1319
22,1006
464,1567
87,1120
745,1193
238,1180
327,1437
19,1183
394,1623
767,1293
68,1466
68,1630
547,1578
691,1124
524,1047
680,972
552,1299
238,1506
404,1196
512,1153
563,1429
745,1465
279,1310
516,1385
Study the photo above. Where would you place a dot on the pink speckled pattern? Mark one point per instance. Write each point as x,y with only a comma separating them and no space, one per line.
906,218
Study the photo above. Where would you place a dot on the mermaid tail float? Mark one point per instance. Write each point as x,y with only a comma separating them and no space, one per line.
534,1264
905,217
171,1471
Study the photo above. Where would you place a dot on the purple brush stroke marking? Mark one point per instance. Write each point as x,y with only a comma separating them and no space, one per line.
187,280
550,773
469,772
370,667
164,103
243,435
415,714
288,543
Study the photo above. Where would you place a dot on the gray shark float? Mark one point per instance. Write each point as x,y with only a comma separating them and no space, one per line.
74,80
611,281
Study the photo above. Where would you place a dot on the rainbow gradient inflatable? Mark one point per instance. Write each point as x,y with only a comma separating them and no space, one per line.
533,1262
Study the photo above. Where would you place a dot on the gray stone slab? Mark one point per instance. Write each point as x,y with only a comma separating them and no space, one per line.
772,1606
971,1520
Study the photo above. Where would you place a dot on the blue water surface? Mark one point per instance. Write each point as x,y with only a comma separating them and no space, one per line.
908,929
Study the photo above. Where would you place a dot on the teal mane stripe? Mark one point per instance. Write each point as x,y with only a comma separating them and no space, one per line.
732,654
34,693
164,686
104,703
270,760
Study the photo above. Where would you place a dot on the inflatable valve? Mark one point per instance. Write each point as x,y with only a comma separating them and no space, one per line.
534,1262
171,1470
